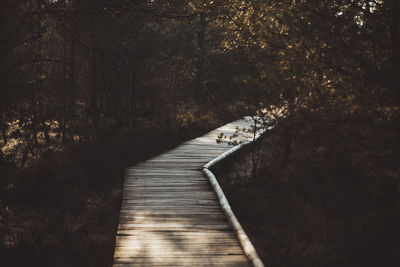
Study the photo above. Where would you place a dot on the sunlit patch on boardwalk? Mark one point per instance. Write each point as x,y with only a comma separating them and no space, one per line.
170,215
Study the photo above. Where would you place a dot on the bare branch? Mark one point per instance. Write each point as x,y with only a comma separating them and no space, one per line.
38,60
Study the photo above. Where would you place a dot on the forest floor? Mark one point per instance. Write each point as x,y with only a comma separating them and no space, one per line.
313,209
63,209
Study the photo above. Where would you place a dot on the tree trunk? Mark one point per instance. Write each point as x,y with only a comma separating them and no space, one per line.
71,113
1,157
92,106
34,86
46,128
131,107
3,126
201,57
394,25
289,96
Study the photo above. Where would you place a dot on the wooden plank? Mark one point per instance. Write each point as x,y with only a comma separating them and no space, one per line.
129,232
177,264
171,208
191,260
148,178
135,195
161,183
198,235
168,213
155,191
188,243
177,201
165,251
166,206
175,227
162,172
164,247
167,216
217,238
170,189
165,221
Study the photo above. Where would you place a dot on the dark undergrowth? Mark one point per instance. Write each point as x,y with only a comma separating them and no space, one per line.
331,203
63,209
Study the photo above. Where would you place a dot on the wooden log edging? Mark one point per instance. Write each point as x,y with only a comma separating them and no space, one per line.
244,240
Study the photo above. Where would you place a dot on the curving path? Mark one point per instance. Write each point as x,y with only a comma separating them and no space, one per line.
171,215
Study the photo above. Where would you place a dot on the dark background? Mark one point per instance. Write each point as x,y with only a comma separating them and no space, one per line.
88,87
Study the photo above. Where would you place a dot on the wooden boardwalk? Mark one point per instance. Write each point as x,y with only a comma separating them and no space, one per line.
170,215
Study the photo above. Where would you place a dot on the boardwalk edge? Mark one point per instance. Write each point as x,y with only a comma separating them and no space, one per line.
244,240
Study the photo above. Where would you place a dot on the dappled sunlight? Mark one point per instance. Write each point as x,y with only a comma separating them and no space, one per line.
19,143
174,240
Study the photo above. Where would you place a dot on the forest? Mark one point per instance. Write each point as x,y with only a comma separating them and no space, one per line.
89,87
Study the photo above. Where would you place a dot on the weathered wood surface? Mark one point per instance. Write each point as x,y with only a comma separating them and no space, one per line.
170,215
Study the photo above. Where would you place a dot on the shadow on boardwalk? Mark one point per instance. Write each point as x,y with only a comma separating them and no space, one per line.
170,215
